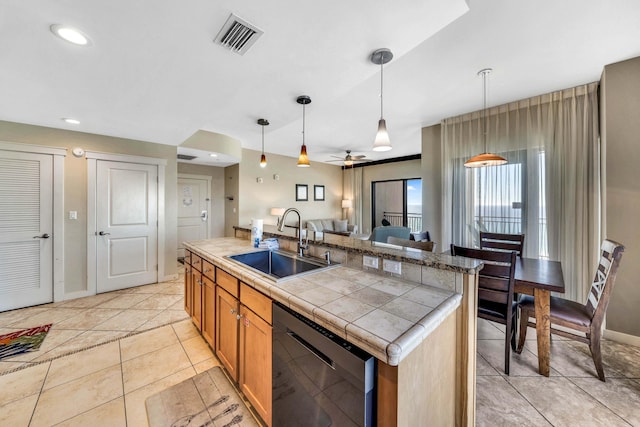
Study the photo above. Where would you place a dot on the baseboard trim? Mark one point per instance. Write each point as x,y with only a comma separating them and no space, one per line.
622,337
169,278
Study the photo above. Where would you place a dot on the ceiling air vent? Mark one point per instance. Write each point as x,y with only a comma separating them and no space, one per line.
238,35
185,157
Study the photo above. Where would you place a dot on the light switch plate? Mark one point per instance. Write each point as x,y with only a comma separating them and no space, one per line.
392,266
73,214
369,261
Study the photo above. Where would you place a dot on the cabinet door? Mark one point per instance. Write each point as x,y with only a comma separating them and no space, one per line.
227,331
208,310
196,298
187,288
255,362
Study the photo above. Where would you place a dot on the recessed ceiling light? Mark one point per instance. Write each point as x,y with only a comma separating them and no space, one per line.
70,34
213,155
71,121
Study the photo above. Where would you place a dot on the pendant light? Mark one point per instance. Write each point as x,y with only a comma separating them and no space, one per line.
303,159
382,142
263,158
485,159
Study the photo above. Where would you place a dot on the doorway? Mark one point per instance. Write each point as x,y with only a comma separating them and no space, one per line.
398,203
194,200
125,226
31,227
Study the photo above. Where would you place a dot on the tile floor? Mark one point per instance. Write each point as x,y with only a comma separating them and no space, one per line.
73,381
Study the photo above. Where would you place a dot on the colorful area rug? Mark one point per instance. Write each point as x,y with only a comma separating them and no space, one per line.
22,341
208,399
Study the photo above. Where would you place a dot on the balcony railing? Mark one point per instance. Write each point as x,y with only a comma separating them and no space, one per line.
414,220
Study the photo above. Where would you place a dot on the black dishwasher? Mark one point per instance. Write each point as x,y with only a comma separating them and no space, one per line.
319,379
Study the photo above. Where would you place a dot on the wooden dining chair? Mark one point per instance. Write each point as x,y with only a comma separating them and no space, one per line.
586,319
495,291
506,242
408,243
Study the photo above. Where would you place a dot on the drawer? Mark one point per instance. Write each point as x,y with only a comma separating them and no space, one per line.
187,258
196,262
256,301
208,270
227,282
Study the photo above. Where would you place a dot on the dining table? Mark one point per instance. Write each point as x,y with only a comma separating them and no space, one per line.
540,277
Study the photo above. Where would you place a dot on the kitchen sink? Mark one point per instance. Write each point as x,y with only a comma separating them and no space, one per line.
280,265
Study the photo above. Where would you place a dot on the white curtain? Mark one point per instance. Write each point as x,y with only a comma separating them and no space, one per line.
352,189
550,188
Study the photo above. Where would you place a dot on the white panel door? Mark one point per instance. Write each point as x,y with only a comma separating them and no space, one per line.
26,221
193,214
127,225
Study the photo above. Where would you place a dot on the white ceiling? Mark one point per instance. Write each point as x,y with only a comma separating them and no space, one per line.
153,73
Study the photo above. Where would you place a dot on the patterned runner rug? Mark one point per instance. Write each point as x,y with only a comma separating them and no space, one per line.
22,341
208,399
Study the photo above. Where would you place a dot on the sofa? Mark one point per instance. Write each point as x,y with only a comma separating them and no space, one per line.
380,234
331,226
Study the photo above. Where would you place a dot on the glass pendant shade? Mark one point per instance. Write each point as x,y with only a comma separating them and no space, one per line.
485,159
263,158
303,159
382,142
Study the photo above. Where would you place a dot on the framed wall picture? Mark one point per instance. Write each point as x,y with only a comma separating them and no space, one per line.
302,193
318,192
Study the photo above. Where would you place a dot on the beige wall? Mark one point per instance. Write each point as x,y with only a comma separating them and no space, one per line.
432,185
620,101
75,189
217,208
256,199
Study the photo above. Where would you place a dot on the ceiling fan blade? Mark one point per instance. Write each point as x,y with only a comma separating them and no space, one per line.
358,157
337,157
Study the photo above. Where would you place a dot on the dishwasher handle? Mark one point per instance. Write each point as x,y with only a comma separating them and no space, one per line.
320,355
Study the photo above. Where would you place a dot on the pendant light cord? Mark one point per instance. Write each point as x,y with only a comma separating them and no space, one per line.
303,117
381,87
484,108
262,139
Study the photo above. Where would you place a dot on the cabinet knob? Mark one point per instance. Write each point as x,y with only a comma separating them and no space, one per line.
233,311
239,316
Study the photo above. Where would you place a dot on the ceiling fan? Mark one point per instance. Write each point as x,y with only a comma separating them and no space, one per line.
349,160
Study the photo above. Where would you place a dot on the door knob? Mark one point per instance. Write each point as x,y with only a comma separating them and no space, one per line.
102,233
44,236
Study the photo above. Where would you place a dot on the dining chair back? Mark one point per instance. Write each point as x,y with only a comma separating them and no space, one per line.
501,241
585,319
408,243
496,282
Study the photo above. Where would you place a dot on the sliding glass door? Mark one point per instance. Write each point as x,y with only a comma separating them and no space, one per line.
397,202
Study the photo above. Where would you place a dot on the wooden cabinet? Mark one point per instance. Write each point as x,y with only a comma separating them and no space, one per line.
255,350
187,286
235,320
196,297
227,316
208,310
199,294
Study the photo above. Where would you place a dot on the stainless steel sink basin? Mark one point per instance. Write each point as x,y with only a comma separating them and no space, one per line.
280,265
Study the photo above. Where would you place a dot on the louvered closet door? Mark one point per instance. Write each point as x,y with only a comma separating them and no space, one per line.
26,241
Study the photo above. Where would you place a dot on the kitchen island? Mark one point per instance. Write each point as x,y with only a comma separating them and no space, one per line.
419,324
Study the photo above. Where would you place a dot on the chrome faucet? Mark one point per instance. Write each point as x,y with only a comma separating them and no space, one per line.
301,247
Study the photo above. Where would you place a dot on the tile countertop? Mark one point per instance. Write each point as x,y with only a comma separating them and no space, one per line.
386,316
